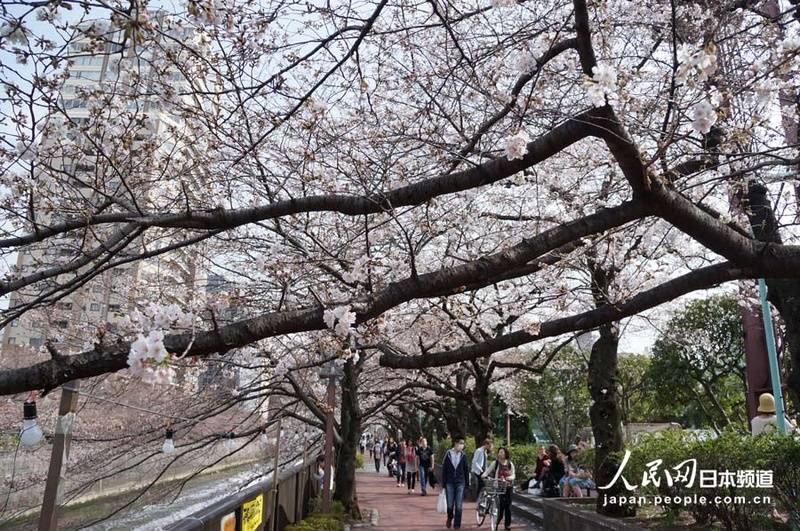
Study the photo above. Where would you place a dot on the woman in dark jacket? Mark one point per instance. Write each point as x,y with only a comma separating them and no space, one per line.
553,473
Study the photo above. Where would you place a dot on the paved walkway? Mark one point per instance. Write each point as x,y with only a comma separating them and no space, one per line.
399,510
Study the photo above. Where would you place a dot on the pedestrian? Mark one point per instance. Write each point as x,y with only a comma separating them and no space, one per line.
400,456
390,454
480,460
376,455
455,478
412,466
502,469
319,474
425,462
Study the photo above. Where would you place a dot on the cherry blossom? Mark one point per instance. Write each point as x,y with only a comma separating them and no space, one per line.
602,84
516,145
340,320
704,116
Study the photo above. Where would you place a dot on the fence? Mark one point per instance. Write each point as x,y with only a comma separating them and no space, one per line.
255,508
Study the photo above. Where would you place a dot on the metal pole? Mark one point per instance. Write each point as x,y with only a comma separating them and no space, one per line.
275,467
60,453
326,478
774,371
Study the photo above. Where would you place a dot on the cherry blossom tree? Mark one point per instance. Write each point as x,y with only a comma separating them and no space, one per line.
353,169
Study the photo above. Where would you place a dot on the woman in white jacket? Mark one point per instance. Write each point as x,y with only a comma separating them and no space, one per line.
503,469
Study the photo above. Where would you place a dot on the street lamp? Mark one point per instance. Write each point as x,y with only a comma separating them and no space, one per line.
330,372
508,425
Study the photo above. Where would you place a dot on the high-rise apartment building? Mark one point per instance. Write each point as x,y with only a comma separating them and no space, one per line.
71,318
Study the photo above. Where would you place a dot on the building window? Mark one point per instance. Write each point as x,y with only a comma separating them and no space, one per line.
64,306
12,340
15,322
114,307
61,324
86,74
35,342
95,307
97,289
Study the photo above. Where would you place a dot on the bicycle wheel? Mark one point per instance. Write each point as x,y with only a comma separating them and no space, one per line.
493,517
480,509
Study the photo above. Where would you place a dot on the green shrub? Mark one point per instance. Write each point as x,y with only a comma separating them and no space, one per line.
317,522
333,521
359,460
445,444
732,452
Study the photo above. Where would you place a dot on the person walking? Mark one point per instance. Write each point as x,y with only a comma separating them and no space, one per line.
412,466
480,459
400,456
376,454
390,455
455,478
425,461
502,469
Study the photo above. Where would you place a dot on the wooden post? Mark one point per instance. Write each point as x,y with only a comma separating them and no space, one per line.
276,465
61,442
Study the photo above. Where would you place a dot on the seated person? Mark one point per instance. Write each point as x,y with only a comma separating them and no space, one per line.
576,478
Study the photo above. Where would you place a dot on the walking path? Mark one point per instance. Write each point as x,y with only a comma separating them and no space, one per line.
399,510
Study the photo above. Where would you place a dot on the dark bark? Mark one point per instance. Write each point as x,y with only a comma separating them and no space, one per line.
606,419
784,293
455,418
605,414
350,422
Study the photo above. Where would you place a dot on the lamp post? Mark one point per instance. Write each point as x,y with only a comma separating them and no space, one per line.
775,374
48,520
508,426
331,373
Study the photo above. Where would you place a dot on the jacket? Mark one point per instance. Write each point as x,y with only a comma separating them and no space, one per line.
457,475
479,461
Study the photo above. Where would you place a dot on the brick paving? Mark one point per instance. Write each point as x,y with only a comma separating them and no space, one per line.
399,510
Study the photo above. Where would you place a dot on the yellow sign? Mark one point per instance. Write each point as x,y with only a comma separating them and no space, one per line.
228,522
252,512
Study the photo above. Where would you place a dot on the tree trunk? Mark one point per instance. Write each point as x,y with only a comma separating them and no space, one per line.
456,421
483,426
783,293
606,419
350,426
604,412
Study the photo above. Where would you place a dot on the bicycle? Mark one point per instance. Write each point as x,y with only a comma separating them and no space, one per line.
489,503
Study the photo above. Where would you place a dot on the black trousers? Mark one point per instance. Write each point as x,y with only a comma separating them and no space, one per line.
411,480
504,510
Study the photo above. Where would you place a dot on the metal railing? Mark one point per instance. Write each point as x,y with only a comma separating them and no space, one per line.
261,506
